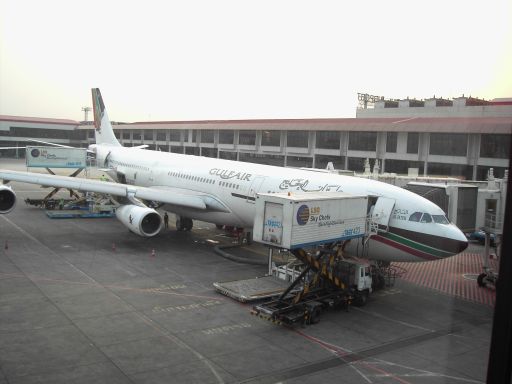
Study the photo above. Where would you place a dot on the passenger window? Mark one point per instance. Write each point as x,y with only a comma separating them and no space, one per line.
416,216
426,218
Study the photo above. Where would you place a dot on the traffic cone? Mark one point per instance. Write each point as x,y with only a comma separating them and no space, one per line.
153,252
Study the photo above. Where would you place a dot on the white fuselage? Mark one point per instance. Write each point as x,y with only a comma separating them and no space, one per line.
235,184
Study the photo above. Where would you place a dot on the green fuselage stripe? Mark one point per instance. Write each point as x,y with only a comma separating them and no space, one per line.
413,244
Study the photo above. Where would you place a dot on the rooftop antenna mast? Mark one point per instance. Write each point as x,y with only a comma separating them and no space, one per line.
367,101
86,111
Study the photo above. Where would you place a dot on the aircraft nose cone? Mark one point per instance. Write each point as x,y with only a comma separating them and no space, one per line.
460,239
462,245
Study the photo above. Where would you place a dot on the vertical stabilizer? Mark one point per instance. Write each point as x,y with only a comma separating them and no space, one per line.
104,133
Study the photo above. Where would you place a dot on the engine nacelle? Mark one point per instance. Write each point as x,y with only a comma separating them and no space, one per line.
143,221
7,199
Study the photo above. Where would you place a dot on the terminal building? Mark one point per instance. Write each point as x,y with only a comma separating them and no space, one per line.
462,137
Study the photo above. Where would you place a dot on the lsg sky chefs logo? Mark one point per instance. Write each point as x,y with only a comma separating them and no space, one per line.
36,152
303,215
307,214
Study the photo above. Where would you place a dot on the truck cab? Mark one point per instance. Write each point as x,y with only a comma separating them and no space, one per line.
359,279
364,279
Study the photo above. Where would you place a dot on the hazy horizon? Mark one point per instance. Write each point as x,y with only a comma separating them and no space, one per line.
223,60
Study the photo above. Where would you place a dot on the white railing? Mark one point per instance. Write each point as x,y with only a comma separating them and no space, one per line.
372,228
493,221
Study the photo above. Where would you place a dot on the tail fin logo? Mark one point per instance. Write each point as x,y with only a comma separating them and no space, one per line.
98,108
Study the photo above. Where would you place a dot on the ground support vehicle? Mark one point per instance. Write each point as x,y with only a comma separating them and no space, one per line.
328,281
489,277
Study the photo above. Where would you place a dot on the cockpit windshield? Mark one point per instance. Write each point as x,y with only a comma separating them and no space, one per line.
416,216
424,217
440,219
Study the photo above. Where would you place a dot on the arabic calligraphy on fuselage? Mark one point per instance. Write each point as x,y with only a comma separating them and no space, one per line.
306,186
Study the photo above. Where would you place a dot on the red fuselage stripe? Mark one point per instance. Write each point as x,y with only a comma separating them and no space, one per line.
404,248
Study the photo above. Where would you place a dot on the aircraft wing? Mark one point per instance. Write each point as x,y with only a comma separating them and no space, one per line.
173,196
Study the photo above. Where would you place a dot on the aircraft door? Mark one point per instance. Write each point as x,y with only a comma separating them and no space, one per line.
254,189
382,211
121,177
106,162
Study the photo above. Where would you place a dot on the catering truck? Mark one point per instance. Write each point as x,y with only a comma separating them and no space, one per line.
315,228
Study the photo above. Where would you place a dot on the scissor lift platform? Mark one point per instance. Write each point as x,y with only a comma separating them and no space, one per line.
249,290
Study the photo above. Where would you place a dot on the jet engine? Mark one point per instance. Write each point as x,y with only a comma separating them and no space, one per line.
7,199
143,221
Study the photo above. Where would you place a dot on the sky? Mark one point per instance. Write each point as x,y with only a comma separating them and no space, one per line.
235,59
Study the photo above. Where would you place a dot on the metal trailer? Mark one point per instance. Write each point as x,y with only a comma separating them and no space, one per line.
256,289
304,312
92,207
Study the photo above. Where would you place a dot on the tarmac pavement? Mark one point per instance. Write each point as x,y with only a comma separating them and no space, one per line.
85,300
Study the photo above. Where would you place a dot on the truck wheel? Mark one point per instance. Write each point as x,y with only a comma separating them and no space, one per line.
361,299
480,280
338,303
314,316
379,282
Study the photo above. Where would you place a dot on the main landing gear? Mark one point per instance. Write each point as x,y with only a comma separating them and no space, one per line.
183,224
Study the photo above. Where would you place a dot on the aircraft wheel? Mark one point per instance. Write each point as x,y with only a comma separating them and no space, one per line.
184,224
179,224
188,224
480,280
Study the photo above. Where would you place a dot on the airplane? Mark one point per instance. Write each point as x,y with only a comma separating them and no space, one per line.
410,227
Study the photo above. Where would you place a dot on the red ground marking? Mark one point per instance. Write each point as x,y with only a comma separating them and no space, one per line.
447,276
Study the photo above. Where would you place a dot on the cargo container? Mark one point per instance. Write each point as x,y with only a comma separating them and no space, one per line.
56,157
299,220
